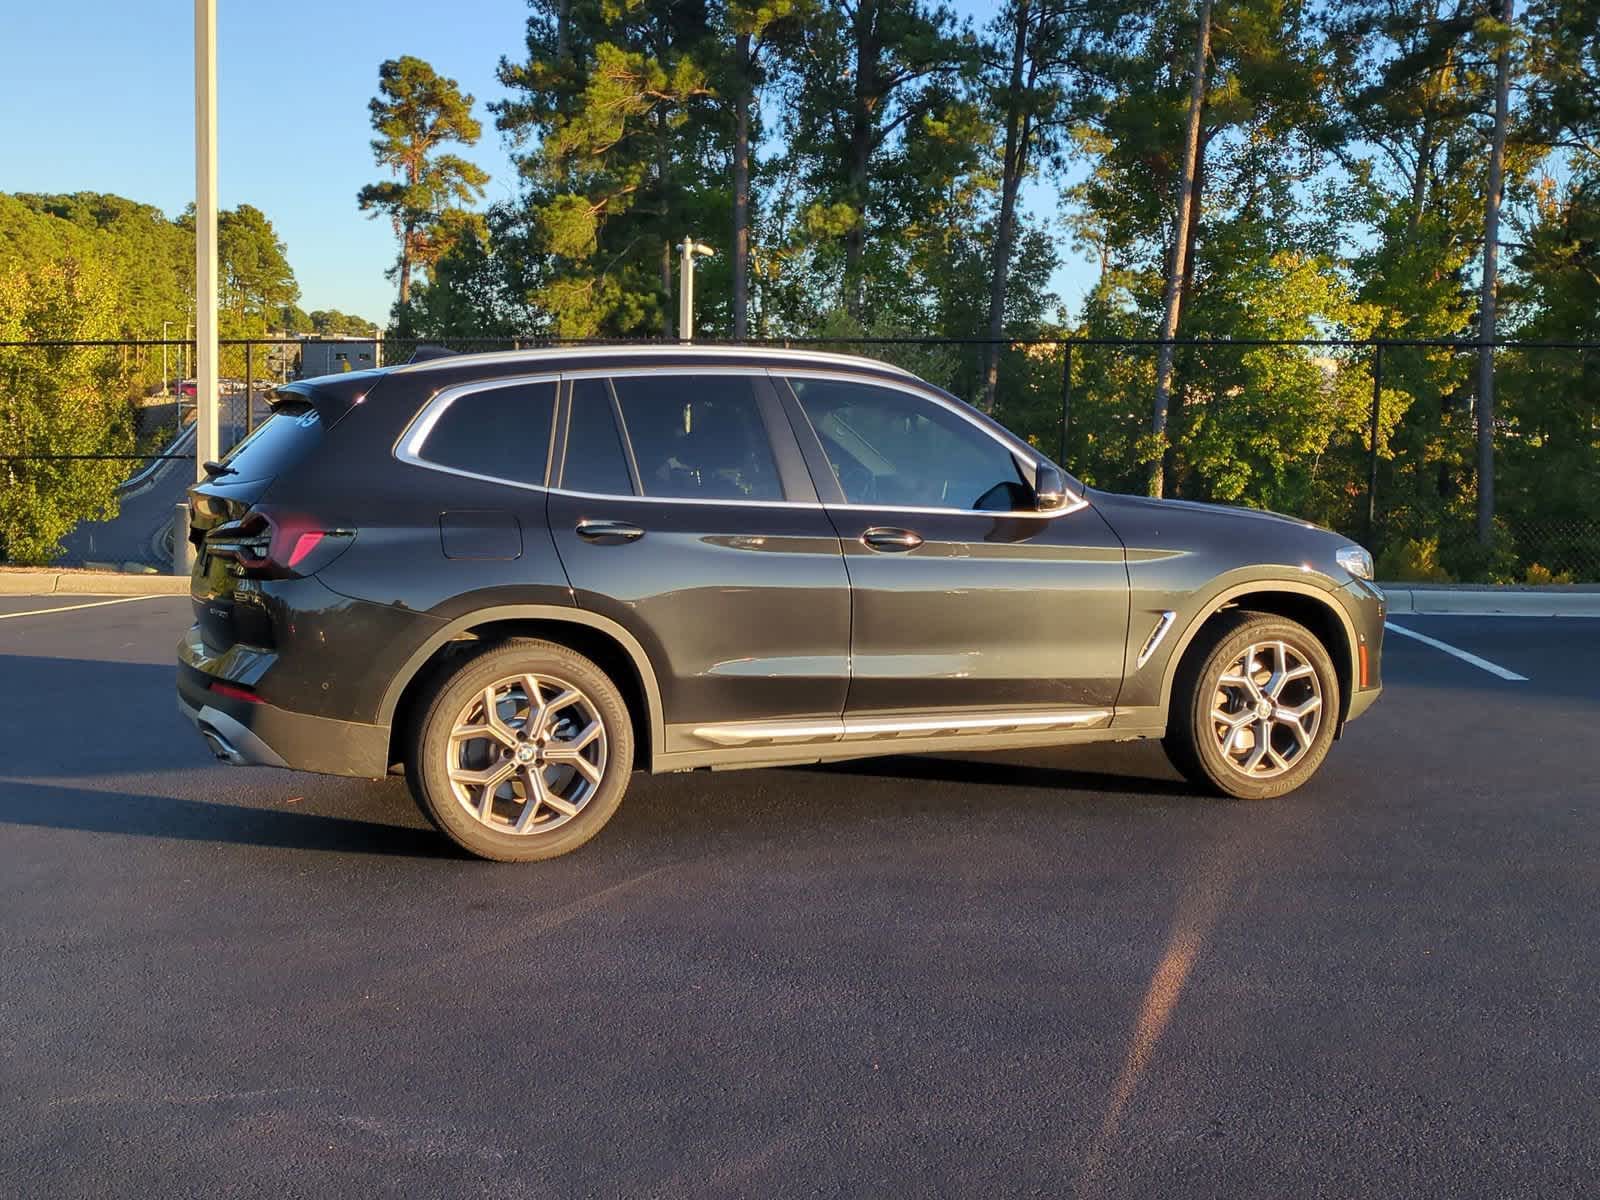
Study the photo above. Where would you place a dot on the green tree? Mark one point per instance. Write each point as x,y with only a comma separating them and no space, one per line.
147,261
468,293
1249,175
763,31
292,319
613,106
416,112
1417,95
255,279
330,322
867,74
1031,62
65,400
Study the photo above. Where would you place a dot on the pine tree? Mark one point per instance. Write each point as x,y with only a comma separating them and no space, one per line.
614,107
416,112
868,72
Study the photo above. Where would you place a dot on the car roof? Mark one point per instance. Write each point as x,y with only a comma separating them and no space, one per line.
595,355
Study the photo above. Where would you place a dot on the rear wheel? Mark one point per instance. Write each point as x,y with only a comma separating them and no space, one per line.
523,753
1253,715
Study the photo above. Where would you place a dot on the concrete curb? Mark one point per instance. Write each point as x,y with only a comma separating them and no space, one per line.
1491,601
89,583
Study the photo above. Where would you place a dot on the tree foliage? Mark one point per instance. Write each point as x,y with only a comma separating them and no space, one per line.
417,113
57,401
890,167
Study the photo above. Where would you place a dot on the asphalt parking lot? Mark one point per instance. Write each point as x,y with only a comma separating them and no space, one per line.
1055,974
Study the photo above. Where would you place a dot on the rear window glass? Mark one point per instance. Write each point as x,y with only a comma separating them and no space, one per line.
594,451
698,437
501,433
276,444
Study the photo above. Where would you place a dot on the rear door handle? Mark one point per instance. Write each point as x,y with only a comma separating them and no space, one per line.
894,541
608,533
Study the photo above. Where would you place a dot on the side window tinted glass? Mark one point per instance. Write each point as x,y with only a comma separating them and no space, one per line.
891,448
501,432
699,437
594,462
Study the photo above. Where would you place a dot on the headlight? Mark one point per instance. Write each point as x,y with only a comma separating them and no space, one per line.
1356,560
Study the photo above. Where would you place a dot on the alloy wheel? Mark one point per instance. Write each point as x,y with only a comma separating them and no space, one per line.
1267,709
526,754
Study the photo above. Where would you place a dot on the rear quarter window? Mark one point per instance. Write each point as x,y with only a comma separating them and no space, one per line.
500,433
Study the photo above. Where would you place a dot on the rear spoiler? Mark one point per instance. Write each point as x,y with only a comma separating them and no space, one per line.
427,353
331,395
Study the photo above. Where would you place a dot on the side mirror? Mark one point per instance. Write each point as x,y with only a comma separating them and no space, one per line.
1049,488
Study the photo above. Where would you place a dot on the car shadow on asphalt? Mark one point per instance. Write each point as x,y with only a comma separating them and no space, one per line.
51,806
989,772
140,732
132,707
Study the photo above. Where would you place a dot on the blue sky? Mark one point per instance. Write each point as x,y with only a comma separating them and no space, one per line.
97,95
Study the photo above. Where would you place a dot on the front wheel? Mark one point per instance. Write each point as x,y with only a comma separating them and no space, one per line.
523,753
1254,716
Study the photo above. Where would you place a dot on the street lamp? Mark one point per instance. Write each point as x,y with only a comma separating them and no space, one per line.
688,249
166,388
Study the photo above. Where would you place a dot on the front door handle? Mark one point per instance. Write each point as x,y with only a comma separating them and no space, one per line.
608,533
894,541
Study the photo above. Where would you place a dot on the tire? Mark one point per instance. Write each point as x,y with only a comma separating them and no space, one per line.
1253,730
471,773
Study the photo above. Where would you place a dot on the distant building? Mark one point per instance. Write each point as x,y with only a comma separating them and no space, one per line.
333,356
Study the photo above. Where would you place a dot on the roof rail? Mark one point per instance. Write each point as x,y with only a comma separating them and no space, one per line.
545,354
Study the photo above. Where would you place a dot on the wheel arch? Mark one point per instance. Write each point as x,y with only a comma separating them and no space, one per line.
612,648
1311,606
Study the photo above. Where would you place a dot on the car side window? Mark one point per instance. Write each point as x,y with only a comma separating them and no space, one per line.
698,437
888,447
500,432
594,460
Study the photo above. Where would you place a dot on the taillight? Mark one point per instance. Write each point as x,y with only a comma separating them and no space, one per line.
277,545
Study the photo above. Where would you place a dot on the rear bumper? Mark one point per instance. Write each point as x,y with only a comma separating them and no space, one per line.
243,733
230,740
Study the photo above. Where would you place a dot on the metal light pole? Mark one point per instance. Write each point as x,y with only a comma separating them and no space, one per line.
207,443
166,386
687,250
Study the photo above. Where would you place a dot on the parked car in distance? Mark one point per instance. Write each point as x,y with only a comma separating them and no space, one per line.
522,576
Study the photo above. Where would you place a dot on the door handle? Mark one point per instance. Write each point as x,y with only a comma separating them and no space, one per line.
608,533
894,541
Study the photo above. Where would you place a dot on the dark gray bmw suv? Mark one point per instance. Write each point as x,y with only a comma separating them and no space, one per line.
522,576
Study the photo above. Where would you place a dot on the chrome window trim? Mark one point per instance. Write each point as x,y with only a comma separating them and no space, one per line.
561,491
884,508
1014,446
408,446
1033,514
414,436
546,353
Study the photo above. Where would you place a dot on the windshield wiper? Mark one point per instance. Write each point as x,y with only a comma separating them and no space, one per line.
215,470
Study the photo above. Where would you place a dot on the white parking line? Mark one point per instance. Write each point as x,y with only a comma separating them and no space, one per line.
39,612
1481,663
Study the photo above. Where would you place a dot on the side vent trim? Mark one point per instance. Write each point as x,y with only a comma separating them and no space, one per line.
1157,635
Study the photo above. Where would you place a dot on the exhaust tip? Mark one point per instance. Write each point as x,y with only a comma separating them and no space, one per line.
222,748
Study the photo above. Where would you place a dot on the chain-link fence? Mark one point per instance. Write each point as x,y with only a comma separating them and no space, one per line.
1375,439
